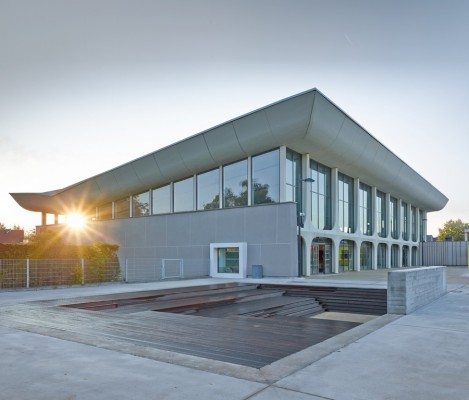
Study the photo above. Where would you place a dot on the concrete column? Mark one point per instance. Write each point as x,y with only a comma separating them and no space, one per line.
306,191
56,219
399,219
356,255
335,255
374,255
43,218
388,255
417,227
388,216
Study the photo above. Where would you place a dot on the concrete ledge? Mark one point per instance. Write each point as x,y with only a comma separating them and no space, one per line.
409,289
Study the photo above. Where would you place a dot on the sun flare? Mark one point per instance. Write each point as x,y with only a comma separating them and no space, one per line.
76,221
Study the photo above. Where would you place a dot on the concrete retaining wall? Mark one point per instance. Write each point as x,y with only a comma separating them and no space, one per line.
410,289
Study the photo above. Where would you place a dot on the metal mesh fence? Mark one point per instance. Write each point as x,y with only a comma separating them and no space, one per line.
31,273
157,269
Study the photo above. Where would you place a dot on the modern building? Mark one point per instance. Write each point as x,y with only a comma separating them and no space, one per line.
243,192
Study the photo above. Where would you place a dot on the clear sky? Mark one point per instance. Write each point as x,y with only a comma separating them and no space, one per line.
88,85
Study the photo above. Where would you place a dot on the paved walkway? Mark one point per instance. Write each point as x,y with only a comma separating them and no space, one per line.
420,356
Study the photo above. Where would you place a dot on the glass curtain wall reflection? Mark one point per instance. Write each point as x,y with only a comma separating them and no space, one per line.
404,219
293,178
105,211
141,204
265,170
122,208
183,195
208,190
394,256
393,218
365,209
381,256
235,184
381,214
161,200
321,196
346,203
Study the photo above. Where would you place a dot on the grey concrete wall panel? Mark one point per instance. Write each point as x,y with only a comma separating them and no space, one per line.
178,229
171,164
173,236
231,226
203,227
195,154
148,172
223,144
156,230
253,131
254,257
444,253
263,227
411,289
289,120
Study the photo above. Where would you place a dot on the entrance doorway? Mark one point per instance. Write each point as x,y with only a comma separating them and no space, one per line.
321,256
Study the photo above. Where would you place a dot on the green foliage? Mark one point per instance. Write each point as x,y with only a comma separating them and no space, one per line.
455,229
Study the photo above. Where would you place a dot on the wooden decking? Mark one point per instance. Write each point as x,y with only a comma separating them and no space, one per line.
239,324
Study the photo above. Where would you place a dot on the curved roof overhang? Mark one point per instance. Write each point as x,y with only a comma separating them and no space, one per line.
307,123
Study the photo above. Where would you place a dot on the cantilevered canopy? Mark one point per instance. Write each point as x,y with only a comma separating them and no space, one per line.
308,123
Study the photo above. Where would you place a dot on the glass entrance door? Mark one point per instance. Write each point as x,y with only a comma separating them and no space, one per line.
321,260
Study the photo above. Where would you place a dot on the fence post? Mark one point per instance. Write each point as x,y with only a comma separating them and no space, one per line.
126,269
82,271
27,273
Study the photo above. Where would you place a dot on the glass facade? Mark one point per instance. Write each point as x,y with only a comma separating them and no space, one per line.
293,178
421,227
346,256
208,190
366,209
366,259
404,220
265,182
381,256
321,196
183,195
346,204
381,227
405,256
161,200
393,218
235,184
141,204
105,211
122,208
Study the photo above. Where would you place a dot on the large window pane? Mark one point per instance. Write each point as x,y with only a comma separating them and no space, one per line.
321,196
105,211
141,204
346,204
184,195
235,184
293,178
161,200
381,214
265,178
404,219
365,209
122,208
393,218
208,190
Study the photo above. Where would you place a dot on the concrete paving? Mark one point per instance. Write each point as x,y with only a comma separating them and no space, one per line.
423,355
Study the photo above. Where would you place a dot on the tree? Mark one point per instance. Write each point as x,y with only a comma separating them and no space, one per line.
454,229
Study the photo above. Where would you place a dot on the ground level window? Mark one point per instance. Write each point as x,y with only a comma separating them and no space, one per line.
321,256
366,250
228,260
394,256
381,261
346,256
